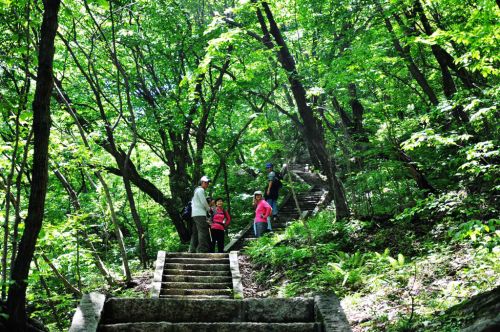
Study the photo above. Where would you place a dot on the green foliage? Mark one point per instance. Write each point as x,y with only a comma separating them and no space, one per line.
170,56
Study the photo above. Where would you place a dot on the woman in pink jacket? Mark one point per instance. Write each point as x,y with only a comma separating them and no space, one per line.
220,222
262,211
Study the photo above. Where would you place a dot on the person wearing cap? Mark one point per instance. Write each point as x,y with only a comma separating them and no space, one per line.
262,211
200,237
271,194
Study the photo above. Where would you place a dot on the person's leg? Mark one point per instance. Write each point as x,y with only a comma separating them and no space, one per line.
214,240
275,207
194,238
255,228
203,235
260,228
273,204
219,236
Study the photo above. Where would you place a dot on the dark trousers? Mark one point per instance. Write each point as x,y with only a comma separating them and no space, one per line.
217,238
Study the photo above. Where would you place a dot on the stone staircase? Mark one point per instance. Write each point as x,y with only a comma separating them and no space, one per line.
187,275
309,202
203,292
318,314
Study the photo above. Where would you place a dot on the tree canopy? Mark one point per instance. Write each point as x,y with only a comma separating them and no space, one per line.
394,102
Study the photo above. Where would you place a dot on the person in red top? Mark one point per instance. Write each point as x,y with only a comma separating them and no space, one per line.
262,211
220,222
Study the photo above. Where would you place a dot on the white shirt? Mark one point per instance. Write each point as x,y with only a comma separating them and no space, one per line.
199,203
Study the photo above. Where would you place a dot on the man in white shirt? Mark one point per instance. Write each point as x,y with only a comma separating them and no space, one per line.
200,238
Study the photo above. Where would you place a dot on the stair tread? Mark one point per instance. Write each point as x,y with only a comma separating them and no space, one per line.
196,285
221,327
187,272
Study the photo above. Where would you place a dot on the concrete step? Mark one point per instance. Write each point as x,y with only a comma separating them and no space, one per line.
195,297
199,267
211,327
188,278
266,310
227,292
220,273
196,255
190,260
196,285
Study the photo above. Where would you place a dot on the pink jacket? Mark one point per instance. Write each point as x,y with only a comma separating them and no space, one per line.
218,219
262,211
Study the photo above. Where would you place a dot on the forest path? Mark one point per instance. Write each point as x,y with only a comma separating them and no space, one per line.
308,201
203,292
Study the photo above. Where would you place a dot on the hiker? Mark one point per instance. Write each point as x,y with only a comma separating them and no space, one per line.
200,237
272,191
220,222
262,211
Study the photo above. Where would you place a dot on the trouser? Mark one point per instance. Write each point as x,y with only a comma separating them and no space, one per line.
274,204
217,238
200,238
260,228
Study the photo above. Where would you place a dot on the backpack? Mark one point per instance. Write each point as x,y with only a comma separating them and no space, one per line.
277,180
186,212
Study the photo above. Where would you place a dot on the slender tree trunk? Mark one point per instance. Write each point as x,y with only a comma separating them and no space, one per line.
49,296
118,232
441,55
16,302
69,287
76,206
8,194
313,131
138,223
17,213
415,172
410,63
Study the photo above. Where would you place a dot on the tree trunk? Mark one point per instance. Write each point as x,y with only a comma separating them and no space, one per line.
313,131
138,224
410,63
16,302
442,56
415,172
76,206
118,232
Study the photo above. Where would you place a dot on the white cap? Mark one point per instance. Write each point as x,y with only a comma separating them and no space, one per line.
204,178
258,192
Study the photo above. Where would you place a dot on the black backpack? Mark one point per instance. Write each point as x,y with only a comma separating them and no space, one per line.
277,180
186,212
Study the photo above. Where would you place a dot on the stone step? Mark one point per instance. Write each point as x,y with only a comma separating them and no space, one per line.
195,297
199,267
196,291
210,327
196,255
196,272
189,260
264,310
196,285
189,278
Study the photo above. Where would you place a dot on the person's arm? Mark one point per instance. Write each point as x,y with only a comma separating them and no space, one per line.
269,187
269,211
228,217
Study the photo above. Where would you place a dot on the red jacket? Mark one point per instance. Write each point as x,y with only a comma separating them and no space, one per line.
262,211
218,221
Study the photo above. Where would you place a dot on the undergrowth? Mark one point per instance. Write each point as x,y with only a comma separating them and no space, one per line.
399,275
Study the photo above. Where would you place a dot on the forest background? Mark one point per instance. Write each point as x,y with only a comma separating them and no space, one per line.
394,102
